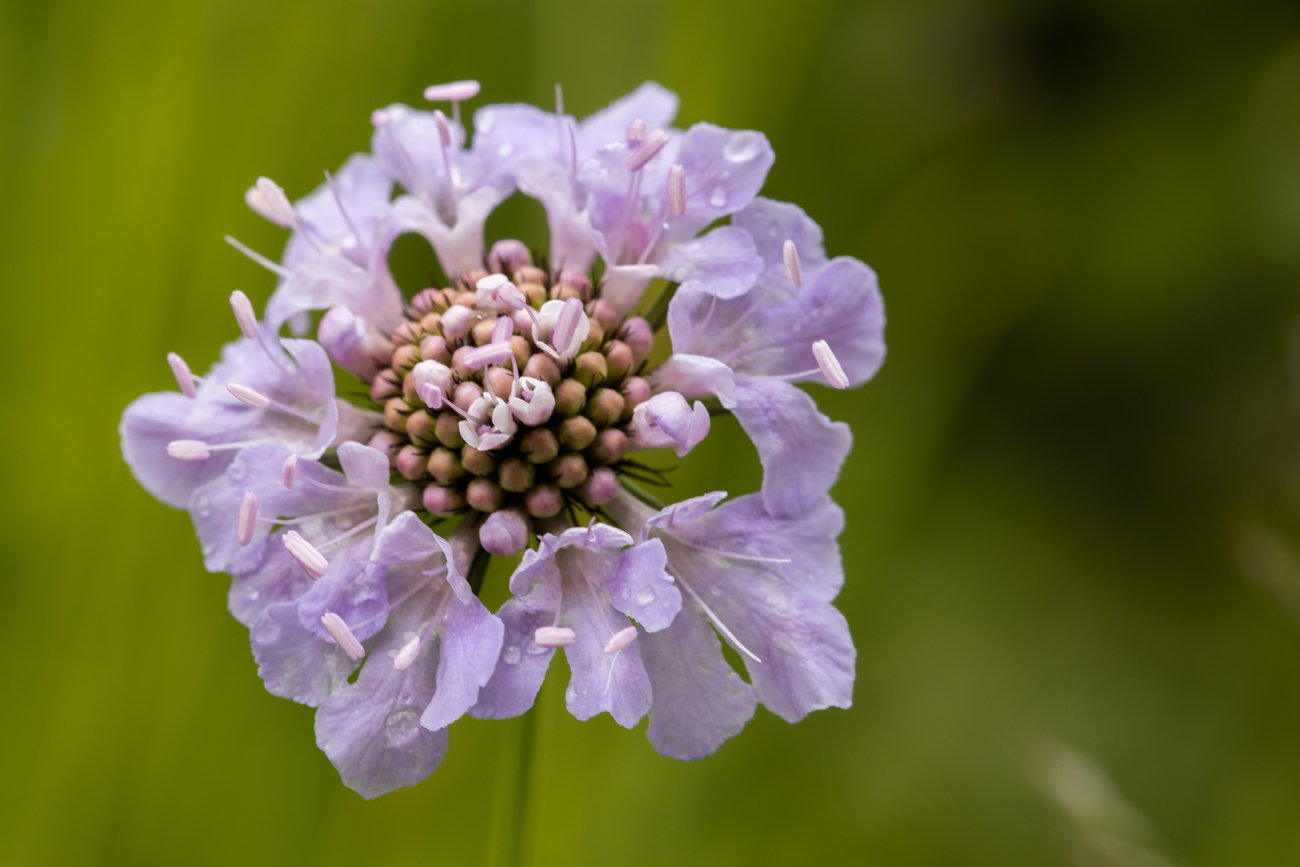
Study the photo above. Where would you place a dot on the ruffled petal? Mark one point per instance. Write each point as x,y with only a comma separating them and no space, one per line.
293,662
722,263
725,169
771,223
469,639
696,376
651,103
801,450
521,669
553,185
642,589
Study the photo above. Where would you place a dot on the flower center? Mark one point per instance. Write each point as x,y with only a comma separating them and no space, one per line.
512,396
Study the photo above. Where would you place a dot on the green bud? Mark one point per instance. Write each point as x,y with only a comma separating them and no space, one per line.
395,412
485,495
419,427
590,368
445,466
447,430
568,471
570,397
540,446
477,462
577,433
516,475
605,406
609,446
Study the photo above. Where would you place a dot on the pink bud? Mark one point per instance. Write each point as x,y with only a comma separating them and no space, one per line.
792,268
343,635
647,150
676,191
247,518
389,443
578,280
181,371
601,487
457,321
621,639
508,255
554,636
247,395
244,314
639,337
353,343
504,533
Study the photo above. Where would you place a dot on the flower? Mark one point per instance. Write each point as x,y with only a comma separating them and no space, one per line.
505,413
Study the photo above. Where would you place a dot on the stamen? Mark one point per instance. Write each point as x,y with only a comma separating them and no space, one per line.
565,335
244,394
492,353
647,150
676,191
620,640
381,117
289,471
313,562
716,621
189,450
410,650
247,518
244,314
338,200
455,91
829,364
792,267
444,133
347,641
181,371
315,516
269,201
731,554
635,131
554,636
257,257
369,522
431,395
503,330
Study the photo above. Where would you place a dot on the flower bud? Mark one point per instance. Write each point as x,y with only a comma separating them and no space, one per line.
483,330
604,407
535,292
500,379
457,321
477,462
542,366
504,533
570,397
405,358
353,343
636,391
507,255
520,349
577,433
385,385
434,348
639,337
604,313
445,466
443,502
516,475
427,301
529,274
459,362
411,463
419,427
595,337
447,430
618,359
466,394
578,280
591,369
563,292
540,447
395,412
387,442
470,278
544,501
610,446
485,495
601,487
568,471
408,332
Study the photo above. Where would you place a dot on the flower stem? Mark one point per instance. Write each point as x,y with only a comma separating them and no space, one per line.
514,785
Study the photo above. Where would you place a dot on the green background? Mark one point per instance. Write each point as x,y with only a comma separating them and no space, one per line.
1073,502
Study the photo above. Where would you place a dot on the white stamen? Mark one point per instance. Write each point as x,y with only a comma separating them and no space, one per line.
676,191
444,132
256,256
289,471
635,131
620,640
247,518
492,353
569,333
554,636
504,328
347,642
455,91
792,267
431,395
269,201
189,450
248,395
181,371
410,650
647,150
381,117
244,314
312,561
829,364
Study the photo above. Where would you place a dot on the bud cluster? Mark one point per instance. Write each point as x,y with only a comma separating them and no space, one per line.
564,416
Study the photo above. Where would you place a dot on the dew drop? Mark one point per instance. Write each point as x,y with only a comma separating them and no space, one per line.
718,197
645,597
505,150
401,726
251,593
742,147
511,655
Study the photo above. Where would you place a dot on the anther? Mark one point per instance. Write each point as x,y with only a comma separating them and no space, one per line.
554,636
792,267
829,364
248,395
455,91
313,562
676,191
492,353
189,450
502,331
620,640
381,117
431,395
635,131
247,518
410,650
571,328
244,314
181,371
647,150
289,471
444,132
269,201
347,642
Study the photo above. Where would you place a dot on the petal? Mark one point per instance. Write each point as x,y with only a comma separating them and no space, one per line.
365,467
469,639
350,588
294,663
522,666
696,376
277,578
725,169
801,450
623,285
699,701
642,589
772,223
325,281
651,103
553,185
722,263
364,190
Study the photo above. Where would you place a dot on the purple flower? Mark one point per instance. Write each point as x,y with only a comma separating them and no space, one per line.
748,350
766,584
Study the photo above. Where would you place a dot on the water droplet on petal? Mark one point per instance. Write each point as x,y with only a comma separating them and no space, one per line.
718,197
742,146
511,655
645,597
401,726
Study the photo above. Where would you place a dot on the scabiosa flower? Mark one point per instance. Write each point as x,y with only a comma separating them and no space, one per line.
508,406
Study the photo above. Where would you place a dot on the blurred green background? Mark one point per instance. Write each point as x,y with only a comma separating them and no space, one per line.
1073,504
